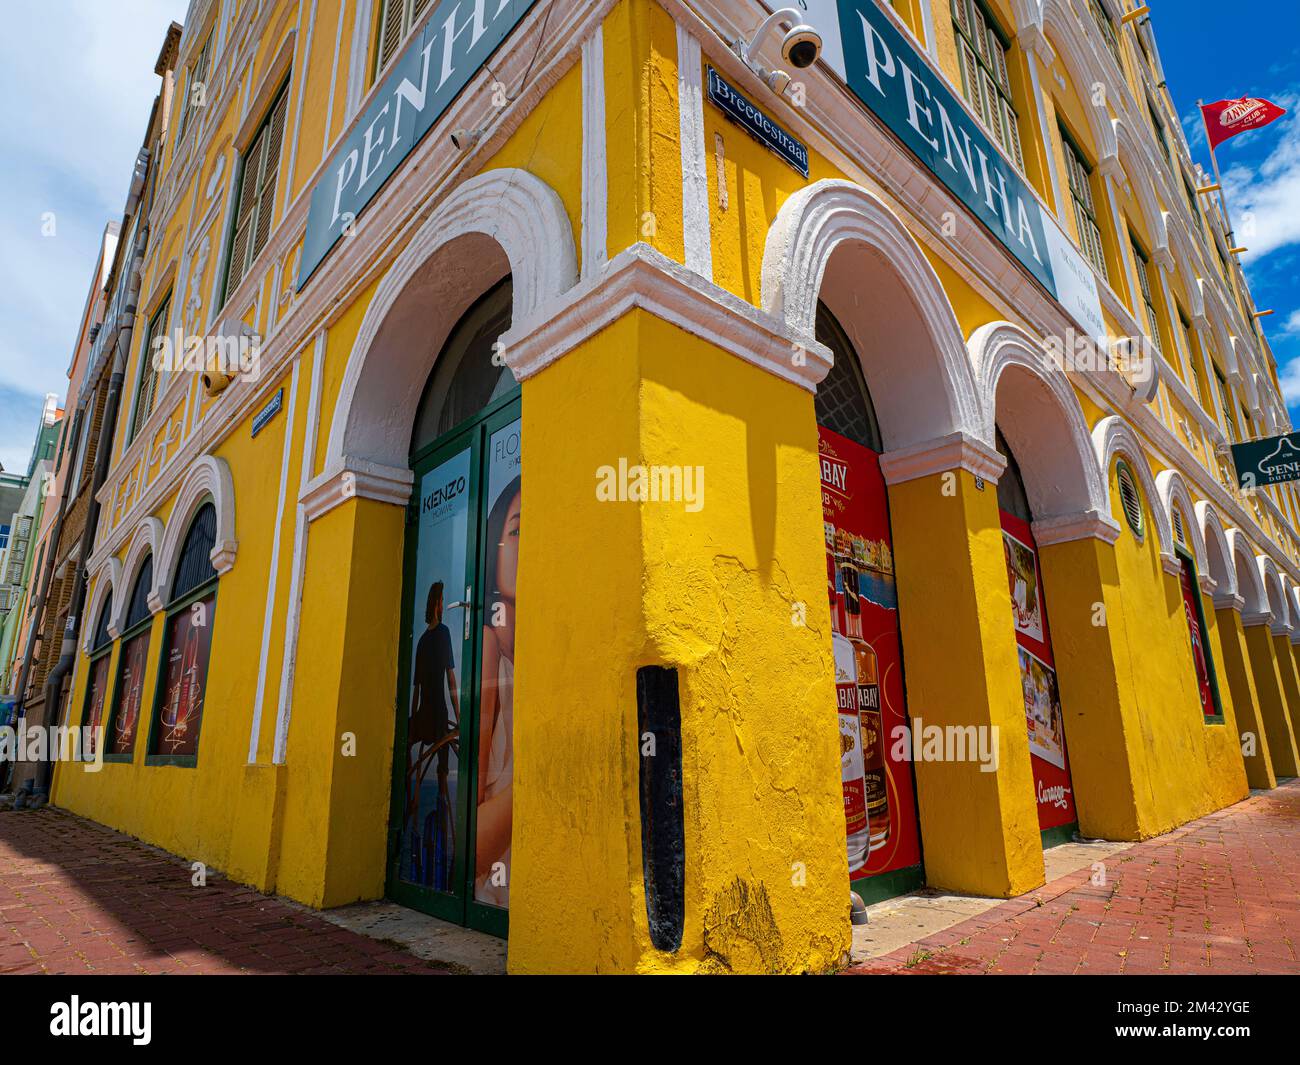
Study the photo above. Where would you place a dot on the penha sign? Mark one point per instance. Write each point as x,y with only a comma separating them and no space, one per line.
438,62
879,63
1273,460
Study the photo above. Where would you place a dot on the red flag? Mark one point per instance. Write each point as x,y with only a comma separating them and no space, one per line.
1227,118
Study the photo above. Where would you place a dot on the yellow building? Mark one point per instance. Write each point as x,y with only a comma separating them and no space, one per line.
943,283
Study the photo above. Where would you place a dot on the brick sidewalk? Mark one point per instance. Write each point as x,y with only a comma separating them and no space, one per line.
1219,895
76,897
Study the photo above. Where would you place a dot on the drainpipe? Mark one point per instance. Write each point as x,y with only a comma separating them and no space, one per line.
46,575
103,456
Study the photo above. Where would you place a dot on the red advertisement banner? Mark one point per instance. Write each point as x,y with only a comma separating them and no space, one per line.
1206,691
879,799
1043,716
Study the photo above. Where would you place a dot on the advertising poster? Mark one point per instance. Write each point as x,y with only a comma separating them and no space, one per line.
189,637
130,686
868,655
496,755
94,719
1206,691
439,644
1044,719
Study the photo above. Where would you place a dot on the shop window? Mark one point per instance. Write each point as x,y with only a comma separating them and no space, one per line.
1144,285
396,20
1207,682
469,373
128,692
255,204
195,89
843,402
986,84
1102,17
146,393
1079,175
187,643
92,718
1129,497
1012,496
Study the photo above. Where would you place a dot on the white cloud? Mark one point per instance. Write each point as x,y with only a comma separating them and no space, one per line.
78,81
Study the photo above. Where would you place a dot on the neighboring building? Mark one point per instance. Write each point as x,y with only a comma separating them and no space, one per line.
846,366
16,557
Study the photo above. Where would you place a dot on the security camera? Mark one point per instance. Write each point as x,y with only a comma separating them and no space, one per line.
801,47
465,139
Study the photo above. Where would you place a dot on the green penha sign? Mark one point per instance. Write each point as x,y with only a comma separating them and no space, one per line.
1273,460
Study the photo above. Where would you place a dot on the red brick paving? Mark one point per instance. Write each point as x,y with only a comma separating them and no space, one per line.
1218,895
76,897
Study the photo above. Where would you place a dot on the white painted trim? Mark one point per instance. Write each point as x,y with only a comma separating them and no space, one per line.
272,580
1088,525
595,177
350,478
1275,595
1254,598
334,77
208,478
145,542
642,277
301,69
108,584
696,222
1113,438
957,451
526,218
357,75
1172,487
302,530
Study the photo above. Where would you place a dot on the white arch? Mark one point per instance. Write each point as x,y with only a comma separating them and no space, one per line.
208,479
1044,425
1113,437
1250,580
146,540
936,395
1144,181
503,221
1173,492
1277,604
1218,552
108,581
1062,29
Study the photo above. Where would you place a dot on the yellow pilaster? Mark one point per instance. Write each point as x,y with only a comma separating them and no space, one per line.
1238,675
979,829
1272,701
1290,682
1090,644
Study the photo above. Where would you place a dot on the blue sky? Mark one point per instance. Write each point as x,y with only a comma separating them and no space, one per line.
77,80
1216,51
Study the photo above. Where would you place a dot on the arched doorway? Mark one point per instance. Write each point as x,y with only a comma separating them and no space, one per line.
1058,818
451,820
883,836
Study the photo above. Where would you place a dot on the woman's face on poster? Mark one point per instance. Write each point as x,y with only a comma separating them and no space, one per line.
508,551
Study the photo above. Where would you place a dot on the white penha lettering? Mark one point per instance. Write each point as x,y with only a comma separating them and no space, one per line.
345,171
915,109
875,64
1026,229
966,158
989,191
451,35
368,171
407,91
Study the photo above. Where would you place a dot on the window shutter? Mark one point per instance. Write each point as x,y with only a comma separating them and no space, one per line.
961,13
270,175
392,29
1129,498
1178,527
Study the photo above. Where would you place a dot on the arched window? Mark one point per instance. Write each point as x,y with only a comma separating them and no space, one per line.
182,682
843,402
128,692
92,718
466,376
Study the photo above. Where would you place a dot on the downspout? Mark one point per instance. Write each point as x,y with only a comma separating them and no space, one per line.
47,574
103,457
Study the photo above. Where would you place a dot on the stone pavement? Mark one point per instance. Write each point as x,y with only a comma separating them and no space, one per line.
1220,895
76,897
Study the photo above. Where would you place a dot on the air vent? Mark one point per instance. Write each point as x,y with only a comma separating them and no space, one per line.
1178,527
1129,498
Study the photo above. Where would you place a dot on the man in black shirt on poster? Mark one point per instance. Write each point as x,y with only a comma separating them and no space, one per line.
435,666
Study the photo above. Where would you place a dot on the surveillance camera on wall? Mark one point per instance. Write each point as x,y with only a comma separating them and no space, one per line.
465,139
801,47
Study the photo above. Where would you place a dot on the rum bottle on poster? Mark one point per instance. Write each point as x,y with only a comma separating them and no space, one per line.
874,774
851,773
